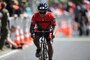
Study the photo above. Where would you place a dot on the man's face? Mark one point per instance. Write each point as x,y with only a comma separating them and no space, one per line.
42,12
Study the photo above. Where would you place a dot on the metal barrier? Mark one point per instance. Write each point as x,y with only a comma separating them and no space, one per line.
64,24
21,33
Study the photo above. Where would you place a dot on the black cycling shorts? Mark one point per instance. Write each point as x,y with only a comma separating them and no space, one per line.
46,35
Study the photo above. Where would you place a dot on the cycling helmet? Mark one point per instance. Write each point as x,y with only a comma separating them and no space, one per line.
43,6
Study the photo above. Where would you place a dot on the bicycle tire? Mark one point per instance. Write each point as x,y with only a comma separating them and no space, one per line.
41,54
44,51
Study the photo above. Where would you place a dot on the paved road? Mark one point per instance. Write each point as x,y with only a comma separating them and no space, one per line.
64,49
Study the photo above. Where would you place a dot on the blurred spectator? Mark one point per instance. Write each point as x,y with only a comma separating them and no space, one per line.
0,4
65,6
13,8
10,41
81,19
56,9
25,8
87,3
11,44
71,6
4,23
5,28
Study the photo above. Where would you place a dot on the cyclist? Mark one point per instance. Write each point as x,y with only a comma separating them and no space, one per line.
81,19
43,20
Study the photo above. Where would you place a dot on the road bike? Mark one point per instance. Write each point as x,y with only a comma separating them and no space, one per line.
43,45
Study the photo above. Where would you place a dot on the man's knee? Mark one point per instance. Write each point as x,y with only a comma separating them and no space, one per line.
36,38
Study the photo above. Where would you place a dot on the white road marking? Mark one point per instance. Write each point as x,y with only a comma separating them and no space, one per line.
14,51
72,39
7,54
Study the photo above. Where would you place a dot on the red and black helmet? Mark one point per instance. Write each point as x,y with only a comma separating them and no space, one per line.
43,6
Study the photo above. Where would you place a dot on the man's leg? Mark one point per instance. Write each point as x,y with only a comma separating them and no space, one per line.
80,31
50,50
2,41
50,47
4,33
36,42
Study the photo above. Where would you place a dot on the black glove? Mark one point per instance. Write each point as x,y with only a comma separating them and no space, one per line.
33,35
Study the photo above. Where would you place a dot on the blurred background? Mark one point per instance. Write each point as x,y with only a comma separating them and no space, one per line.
72,17
72,31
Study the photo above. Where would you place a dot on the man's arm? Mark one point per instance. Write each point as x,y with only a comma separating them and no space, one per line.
32,29
53,28
32,26
53,24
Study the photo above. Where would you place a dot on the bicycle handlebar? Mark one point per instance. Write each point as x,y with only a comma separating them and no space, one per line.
42,31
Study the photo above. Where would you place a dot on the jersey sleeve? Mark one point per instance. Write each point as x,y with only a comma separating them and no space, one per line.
54,22
33,21
52,16
53,19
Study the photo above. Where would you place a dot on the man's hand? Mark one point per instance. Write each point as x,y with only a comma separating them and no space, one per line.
33,35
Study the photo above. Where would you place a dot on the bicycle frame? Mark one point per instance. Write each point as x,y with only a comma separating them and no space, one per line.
43,45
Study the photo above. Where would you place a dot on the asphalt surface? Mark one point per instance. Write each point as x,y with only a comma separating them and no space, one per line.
76,48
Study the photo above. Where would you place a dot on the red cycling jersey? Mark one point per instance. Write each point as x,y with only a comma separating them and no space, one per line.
44,22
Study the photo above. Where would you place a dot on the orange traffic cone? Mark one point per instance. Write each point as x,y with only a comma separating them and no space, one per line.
17,38
21,36
27,37
66,29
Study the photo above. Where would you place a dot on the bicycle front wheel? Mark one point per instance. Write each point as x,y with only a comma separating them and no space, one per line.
44,52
